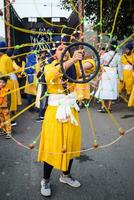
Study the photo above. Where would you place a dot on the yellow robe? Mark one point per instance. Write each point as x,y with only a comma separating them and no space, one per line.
6,67
131,99
56,135
83,90
128,79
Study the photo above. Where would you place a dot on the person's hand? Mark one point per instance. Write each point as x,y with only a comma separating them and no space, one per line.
78,55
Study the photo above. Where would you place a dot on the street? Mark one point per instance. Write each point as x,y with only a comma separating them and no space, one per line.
104,173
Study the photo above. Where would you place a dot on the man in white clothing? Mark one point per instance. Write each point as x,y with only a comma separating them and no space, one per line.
108,85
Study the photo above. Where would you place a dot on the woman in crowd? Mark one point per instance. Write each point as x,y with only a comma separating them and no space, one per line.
61,133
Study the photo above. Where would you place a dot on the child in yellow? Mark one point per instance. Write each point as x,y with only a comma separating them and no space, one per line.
127,61
5,122
61,133
6,68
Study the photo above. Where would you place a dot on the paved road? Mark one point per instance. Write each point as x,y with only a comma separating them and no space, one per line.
105,174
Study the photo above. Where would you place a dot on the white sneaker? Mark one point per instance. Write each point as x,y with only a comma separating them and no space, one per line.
68,179
13,123
8,136
45,188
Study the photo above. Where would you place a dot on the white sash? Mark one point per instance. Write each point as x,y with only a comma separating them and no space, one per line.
128,67
64,103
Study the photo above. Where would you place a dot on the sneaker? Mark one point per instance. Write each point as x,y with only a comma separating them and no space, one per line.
8,136
68,179
102,110
2,133
40,119
13,123
45,188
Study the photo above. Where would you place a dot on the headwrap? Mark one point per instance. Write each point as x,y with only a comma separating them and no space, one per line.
129,46
2,46
9,52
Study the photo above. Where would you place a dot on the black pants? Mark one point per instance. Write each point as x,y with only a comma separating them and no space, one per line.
48,169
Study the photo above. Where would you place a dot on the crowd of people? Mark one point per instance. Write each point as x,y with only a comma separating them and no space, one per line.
57,99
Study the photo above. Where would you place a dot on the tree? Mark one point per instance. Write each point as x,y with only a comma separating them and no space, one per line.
125,18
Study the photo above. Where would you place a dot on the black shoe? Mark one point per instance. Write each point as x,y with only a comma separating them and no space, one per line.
13,123
102,110
40,119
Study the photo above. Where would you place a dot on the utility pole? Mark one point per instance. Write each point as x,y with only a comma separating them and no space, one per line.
7,19
81,18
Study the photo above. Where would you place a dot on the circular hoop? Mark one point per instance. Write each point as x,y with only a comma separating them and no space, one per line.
85,79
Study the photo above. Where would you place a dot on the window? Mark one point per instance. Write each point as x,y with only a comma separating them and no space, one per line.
56,19
32,19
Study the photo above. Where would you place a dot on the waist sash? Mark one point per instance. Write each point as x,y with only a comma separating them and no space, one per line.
128,67
64,104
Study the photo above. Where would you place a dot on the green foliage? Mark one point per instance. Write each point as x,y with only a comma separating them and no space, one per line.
125,19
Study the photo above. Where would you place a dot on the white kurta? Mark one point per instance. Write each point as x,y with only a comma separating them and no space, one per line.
108,85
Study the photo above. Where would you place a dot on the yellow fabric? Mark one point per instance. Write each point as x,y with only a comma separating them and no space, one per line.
37,68
15,66
56,136
3,97
83,90
32,88
91,61
131,99
6,65
15,96
5,117
130,58
128,79
23,67
127,82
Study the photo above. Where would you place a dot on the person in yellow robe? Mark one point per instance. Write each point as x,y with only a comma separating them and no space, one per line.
127,61
6,68
61,133
131,99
